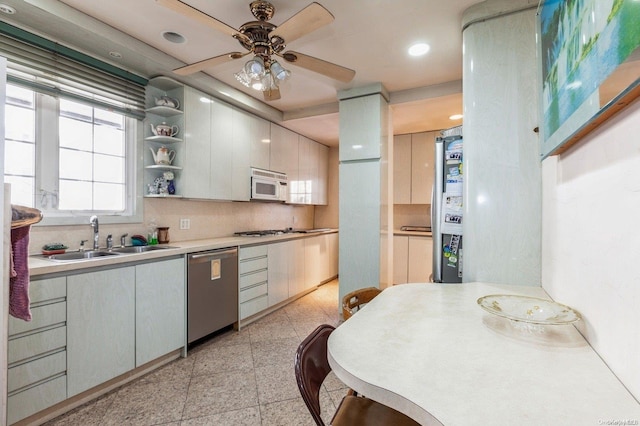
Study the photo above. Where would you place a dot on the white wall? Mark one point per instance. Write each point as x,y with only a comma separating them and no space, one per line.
591,239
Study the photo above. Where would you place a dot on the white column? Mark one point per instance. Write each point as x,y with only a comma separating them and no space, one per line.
502,213
364,212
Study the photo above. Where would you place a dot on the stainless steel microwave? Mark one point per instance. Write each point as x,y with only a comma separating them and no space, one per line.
267,185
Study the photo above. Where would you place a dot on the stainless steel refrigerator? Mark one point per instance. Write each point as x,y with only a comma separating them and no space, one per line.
446,207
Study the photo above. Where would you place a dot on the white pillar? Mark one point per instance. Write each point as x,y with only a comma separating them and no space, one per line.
502,213
365,213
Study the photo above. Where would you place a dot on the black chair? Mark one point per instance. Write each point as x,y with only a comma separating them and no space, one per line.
312,367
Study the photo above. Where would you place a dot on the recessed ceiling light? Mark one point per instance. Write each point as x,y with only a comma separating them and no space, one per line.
173,37
115,54
4,8
455,117
419,49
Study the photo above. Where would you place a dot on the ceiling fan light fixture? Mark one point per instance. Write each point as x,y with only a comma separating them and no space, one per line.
279,72
243,78
255,67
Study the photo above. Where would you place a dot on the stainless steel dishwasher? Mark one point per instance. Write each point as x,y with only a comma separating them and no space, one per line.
212,291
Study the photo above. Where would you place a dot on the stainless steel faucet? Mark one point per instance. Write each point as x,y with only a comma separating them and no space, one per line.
123,239
109,242
94,224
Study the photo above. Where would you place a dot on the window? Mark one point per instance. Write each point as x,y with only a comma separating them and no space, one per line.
71,131
20,138
68,158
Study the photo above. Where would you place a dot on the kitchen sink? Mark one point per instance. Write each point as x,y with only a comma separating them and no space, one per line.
80,255
99,254
138,249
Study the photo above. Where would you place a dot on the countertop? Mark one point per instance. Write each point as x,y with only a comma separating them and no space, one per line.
40,266
431,352
412,233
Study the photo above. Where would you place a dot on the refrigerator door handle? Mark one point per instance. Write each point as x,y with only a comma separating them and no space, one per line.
436,210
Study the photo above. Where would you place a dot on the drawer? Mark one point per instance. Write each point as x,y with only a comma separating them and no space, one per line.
51,288
37,370
253,306
253,265
37,398
36,344
251,252
253,292
249,280
41,316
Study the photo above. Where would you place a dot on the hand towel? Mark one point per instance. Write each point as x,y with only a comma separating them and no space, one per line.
19,305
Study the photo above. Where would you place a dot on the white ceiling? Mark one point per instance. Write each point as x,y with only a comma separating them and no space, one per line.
369,36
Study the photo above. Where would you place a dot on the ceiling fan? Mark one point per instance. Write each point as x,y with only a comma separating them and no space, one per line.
265,40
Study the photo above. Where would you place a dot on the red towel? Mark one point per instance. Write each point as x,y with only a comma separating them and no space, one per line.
19,305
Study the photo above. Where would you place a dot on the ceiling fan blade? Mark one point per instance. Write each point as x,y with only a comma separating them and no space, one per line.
207,63
271,94
307,20
197,15
320,66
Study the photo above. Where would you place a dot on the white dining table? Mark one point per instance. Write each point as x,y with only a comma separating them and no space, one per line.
429,351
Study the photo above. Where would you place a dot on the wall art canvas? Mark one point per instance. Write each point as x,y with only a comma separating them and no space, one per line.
582,44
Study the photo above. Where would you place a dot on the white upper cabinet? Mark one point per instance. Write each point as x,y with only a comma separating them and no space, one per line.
221,150
402,169
413,168
197,146
311,186
284,155
422,167
251,137
323,174
208,149
222,143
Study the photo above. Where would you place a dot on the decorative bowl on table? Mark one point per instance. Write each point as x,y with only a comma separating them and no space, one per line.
529,309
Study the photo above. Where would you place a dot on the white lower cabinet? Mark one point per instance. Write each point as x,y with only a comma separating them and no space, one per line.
160,309
253,280
37,356
296,267
412,259
400,259
100,327
279,255
272,273
420,259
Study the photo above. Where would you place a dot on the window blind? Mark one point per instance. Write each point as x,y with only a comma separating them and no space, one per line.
48,67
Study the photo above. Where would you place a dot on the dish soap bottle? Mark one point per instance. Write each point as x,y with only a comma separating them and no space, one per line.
152,237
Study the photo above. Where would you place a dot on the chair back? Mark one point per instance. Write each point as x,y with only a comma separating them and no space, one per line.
353,301
312,367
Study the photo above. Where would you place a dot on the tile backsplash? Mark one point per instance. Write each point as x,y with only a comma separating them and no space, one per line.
208,219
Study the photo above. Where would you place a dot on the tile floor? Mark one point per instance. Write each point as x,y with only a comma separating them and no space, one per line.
236,378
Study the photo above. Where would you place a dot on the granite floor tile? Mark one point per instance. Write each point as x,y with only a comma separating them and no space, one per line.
221,392
276,351
276,383
244,417
224,358
147,404
230,337
295,412
271,330
176,370
89,414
